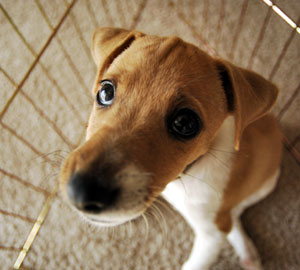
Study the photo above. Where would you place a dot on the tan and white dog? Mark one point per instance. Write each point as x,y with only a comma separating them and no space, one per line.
165,109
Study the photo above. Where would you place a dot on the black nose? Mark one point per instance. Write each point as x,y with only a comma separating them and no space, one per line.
89,194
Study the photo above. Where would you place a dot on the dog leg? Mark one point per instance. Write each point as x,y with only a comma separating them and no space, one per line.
198,202
208,239
207,245
238,238
244,247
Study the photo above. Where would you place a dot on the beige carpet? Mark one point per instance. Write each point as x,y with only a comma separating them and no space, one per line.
45,119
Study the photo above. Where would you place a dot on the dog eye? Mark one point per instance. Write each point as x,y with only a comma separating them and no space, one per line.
106,94
184,124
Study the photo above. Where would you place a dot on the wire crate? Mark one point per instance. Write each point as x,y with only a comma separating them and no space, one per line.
46,76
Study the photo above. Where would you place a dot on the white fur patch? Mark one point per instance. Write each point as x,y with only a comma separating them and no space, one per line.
198,196
204,182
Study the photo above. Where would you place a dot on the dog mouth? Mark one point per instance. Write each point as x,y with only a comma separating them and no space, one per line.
102,222
109,199
109,223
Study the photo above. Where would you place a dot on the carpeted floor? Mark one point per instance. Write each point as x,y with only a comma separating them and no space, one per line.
49,67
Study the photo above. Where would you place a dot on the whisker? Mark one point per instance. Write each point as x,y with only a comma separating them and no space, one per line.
113,231
204,182
57,153
146,224
164,204
219,160
54,158
161,221
240,152
182,183
130,228
223,151
123,228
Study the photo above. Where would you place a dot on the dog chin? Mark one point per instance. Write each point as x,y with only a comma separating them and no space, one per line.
104,223
107,222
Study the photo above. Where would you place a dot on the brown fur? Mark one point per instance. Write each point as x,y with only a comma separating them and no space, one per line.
257,160
153,76
135,124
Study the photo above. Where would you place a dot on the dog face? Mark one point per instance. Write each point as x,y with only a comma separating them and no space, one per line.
159,103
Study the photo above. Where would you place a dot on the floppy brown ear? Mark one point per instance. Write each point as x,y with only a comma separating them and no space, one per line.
109,43
249,96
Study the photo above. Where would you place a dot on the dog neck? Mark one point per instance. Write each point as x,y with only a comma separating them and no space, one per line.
205,179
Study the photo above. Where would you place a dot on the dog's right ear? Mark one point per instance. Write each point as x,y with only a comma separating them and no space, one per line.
109,43
249,96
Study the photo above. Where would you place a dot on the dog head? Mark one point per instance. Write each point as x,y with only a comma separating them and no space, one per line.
159,103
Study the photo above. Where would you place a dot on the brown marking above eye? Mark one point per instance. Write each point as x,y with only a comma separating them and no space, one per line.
118,51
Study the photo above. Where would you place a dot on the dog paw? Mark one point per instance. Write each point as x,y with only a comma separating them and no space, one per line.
251,259
189,266
251,264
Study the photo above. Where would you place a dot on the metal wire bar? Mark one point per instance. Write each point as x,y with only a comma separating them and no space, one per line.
80,35
17,30
220,23
70,61
23,182
92,14
260,38
193,29
29,145
291,149
18,88
137,16
50,203
10,248
296,140
45,70
38,110
46,207
287,105
133,25
282,54
205,16
50,122
191,10
283,16
81,137
35,229
6,213
240,24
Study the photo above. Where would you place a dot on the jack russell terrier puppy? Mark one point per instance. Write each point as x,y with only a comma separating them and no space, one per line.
166,110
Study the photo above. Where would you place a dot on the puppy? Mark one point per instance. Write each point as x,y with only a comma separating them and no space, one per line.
166,110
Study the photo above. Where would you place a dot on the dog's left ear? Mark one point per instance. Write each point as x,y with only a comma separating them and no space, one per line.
108,43
249,96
